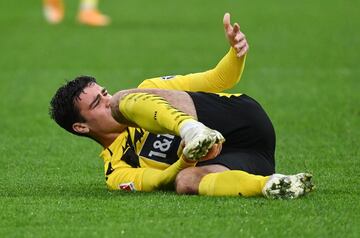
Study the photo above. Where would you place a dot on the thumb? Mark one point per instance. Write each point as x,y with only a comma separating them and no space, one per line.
236,28
226,22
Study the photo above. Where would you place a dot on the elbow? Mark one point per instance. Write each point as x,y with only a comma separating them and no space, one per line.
228,82
234,81
110,186
115,100
115,109
114,106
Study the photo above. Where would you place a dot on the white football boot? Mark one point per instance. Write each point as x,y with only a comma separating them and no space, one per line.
198,140
288,186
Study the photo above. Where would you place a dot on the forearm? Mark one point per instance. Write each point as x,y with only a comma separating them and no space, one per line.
225,75
157,179
147,179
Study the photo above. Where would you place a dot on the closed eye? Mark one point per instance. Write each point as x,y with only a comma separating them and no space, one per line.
97,99
96,102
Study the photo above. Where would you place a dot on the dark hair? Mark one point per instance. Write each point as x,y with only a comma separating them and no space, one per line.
62,106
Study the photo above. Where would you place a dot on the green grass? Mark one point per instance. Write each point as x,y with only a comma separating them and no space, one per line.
302,67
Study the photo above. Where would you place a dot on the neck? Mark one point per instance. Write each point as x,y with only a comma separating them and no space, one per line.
107,139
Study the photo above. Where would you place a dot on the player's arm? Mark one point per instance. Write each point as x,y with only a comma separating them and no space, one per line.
147,179
156,110
225,75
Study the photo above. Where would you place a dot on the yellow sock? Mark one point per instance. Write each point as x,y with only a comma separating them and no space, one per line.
232,183
153,113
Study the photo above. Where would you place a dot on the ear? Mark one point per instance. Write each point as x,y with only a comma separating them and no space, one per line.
81,128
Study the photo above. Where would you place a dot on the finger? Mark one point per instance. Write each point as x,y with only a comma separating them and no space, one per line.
213,152
226,22
210,155
240,45
239,36
236,28
219,147
243,51
182,143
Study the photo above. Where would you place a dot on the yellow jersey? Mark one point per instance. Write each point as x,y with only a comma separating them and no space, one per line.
142,161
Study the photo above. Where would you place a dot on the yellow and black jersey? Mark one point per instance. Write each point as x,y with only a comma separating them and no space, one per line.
142,161
134,150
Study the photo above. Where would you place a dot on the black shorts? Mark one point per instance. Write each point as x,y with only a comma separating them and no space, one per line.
249,133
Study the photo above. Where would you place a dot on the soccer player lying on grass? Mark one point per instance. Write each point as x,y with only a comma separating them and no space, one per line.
181,132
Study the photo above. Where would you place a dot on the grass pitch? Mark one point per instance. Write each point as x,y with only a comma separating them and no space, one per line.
302,67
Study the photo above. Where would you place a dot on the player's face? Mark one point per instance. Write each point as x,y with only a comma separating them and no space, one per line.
94,106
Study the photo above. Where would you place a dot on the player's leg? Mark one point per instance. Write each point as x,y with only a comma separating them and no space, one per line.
229,174
241,119
217,180
90,15
246,127
157,115
188,180
248,152
53,11
251,174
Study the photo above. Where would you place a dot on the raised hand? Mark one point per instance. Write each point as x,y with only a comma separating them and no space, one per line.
235,37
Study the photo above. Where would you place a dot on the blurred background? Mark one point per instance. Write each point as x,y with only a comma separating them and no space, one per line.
303,66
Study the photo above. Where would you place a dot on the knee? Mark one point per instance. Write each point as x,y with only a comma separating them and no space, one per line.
188,180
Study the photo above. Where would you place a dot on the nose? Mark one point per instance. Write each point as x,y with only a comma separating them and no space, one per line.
107,102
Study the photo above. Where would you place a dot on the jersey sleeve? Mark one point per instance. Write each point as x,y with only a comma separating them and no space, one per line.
224,76
146,179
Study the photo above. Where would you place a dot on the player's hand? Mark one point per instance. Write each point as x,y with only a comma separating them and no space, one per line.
212,153
235,37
